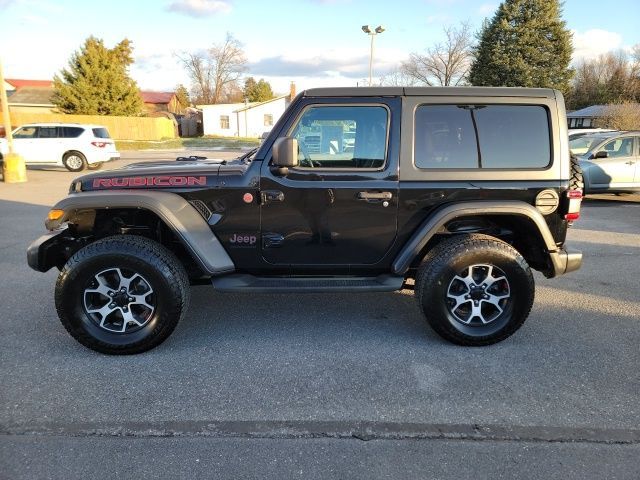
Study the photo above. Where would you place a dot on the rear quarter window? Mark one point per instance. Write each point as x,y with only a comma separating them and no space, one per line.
481,137
101,133
71,132
513,136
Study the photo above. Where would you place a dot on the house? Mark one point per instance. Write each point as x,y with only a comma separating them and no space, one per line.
161,102
244,119
13,84
29,96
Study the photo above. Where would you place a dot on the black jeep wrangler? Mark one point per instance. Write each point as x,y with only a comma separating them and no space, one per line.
454,192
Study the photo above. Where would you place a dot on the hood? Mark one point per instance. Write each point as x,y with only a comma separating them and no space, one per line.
176,174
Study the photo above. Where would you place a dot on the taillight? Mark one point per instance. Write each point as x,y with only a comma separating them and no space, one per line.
99,144
573,210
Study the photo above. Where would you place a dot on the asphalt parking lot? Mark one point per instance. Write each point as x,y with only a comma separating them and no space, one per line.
312,386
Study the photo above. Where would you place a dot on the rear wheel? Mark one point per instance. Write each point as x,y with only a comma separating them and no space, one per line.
122,295
74,161
577,178
94,166
475,290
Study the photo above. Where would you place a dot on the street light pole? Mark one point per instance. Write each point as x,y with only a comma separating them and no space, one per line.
372,33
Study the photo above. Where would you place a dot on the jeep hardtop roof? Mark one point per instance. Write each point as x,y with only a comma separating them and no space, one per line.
430,91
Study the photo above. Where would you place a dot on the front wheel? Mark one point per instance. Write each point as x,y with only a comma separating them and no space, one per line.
122,295
475,290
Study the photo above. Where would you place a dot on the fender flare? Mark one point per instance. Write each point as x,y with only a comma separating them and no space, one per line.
441,217
177,213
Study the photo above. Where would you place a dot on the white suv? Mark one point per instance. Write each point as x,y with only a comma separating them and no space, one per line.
71,145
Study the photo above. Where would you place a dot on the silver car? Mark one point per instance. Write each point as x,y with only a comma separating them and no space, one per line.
610,161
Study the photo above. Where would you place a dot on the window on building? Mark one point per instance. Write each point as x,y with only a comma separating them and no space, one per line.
481,136
268,120
224,122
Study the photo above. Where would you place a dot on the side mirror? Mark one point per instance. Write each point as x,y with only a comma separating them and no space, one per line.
601,154
285,153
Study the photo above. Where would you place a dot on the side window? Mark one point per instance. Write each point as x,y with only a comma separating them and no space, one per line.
620,147
342,137
481,136
48,132
71,132
224,122
513,136
444,137
268,120
26,132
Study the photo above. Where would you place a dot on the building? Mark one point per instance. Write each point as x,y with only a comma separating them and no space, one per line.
244,119
587,117
34,96
161,102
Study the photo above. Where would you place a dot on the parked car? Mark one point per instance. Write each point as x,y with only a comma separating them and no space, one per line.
609,161
581,132
70,145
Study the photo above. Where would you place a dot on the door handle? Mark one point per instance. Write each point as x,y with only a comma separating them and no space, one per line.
630,162
268,196
375,195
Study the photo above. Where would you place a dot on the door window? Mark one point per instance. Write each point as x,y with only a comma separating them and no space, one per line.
26,132
48,132
620,147
350,137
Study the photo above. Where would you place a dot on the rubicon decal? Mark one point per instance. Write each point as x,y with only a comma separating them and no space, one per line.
156,181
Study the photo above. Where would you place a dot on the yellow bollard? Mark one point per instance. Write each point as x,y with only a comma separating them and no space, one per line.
14,169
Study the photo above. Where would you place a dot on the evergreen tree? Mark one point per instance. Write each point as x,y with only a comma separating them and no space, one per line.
97,81
526,44
182,94
259,91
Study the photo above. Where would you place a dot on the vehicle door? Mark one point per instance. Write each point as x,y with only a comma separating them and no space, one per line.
23,142
617,169
338,207
636,180
47,145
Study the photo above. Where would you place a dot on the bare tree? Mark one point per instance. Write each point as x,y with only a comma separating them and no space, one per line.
215,71
446,63
397,78
610,78
621,116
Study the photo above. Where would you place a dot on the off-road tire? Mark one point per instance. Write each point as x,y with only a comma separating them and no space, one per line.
165,274
68,160
577,180
449,259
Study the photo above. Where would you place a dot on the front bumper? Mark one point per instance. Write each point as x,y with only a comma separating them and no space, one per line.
565,261
44,253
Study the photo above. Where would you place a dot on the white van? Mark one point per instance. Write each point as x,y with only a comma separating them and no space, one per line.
71,145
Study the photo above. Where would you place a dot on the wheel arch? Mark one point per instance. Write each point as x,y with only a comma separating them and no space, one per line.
180,217
525,219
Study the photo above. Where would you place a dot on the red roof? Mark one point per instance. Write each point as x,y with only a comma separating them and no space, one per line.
157,97
20,82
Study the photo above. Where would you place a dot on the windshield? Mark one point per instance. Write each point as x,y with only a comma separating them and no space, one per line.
582,145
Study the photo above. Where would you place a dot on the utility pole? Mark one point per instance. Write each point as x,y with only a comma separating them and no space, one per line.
13,167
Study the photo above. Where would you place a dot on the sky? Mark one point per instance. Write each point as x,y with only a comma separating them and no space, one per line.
314,43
